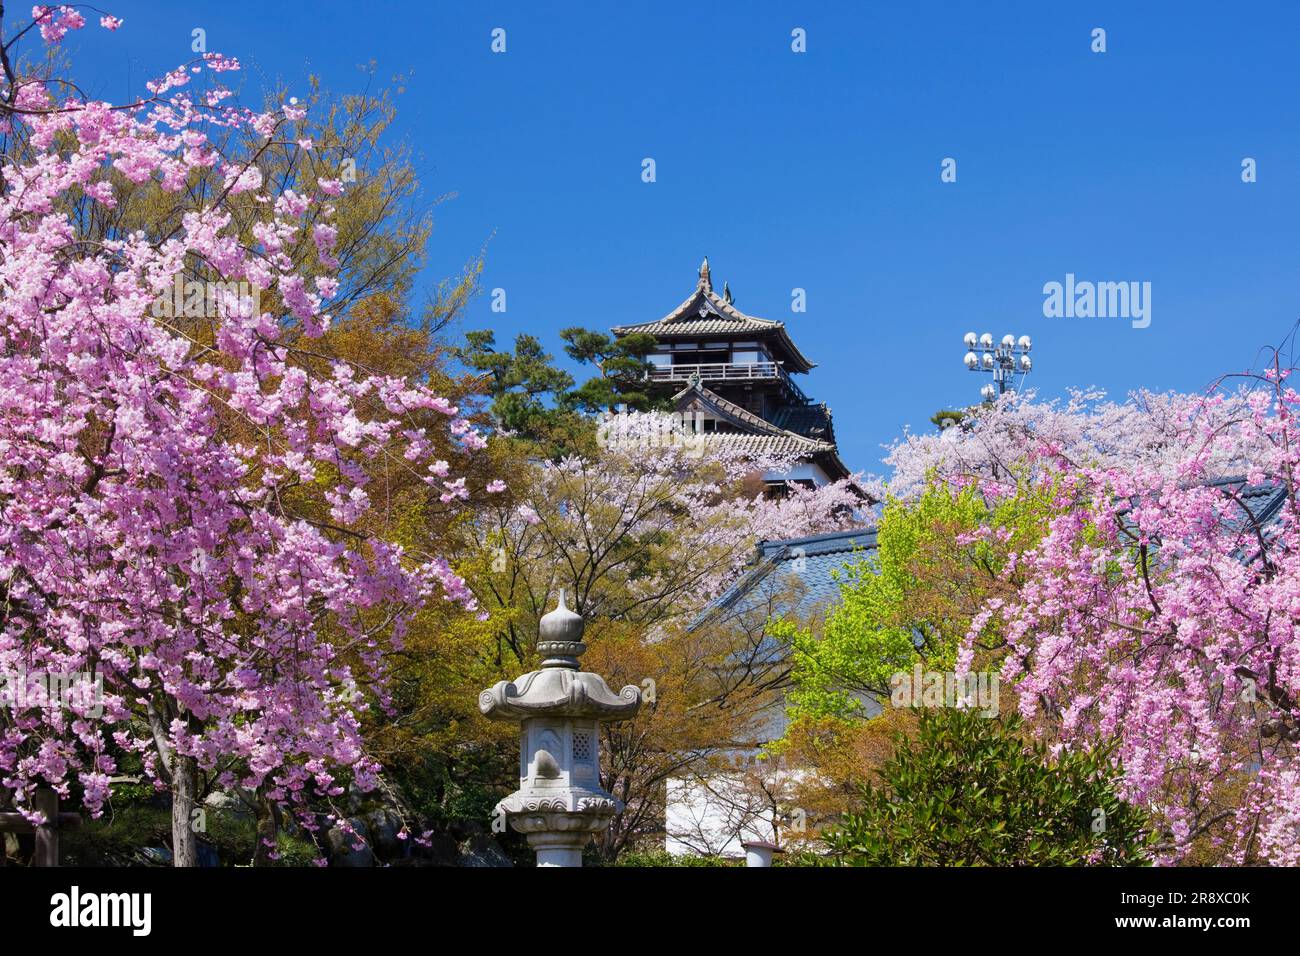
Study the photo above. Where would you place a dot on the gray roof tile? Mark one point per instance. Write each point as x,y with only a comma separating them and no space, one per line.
797,577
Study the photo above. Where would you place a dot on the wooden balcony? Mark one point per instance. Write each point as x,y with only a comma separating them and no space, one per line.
729,372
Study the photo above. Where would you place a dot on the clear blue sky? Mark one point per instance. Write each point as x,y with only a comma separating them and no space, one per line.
821,170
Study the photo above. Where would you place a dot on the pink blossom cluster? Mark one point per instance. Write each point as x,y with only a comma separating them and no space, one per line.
140,539
1160,610
1086,429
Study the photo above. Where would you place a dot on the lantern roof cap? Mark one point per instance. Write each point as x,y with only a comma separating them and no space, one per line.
559,688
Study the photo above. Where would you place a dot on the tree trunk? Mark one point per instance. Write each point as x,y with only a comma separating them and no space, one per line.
185,787
47,836
268,828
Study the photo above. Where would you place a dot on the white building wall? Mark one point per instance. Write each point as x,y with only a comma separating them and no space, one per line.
805,471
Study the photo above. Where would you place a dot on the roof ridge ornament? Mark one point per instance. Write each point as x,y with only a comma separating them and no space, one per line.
706,280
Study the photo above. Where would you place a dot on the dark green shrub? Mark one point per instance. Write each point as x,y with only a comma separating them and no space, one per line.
970,791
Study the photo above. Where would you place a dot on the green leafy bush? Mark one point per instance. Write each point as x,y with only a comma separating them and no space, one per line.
970,791
660,857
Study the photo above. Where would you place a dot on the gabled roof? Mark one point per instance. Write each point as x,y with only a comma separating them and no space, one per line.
757,436
705,313
698,393
801,576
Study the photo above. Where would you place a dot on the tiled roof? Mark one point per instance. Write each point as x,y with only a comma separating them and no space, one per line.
811,421
794,577
760,437
1263,501
705,313
824,454
820,545
769,444
719,318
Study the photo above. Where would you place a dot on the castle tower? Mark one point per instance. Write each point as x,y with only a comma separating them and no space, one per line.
735,374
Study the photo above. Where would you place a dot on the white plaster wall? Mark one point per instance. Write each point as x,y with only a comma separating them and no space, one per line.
805,471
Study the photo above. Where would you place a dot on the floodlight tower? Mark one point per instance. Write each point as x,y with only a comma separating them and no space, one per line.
1002,360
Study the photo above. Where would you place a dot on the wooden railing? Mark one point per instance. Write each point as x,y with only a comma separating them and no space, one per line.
47,834
717,371
725,372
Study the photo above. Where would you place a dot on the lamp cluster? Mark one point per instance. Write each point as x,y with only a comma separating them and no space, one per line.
1002,360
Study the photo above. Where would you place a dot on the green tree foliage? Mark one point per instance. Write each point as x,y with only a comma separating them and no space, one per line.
621,365
659,857
947,418
969,791
914,598
527,391
538,402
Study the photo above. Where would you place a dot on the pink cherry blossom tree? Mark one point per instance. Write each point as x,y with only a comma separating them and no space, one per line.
153,530
1148,429
1160,606
655,524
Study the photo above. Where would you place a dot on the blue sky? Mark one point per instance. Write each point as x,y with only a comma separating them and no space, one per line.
821,170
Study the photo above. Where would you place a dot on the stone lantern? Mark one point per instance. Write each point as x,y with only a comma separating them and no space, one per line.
559,805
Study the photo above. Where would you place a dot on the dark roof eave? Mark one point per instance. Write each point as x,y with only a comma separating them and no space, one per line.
831,464
804,363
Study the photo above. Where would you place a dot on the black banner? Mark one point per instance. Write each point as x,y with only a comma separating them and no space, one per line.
138,908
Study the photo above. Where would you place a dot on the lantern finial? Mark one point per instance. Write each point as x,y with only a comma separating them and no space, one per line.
559,637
